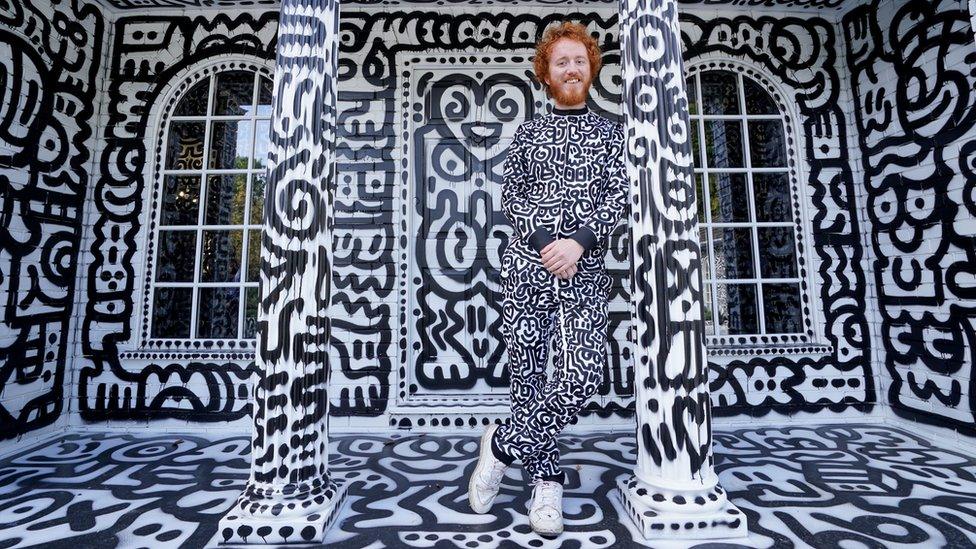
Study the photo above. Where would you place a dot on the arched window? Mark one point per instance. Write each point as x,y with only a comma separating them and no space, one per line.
746,211
204,268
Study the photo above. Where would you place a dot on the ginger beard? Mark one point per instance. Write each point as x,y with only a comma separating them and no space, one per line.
570,94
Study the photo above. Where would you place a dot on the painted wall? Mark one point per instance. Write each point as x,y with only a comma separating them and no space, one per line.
385,308
913,69
50,55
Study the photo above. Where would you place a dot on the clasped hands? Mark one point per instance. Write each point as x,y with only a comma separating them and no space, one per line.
560,256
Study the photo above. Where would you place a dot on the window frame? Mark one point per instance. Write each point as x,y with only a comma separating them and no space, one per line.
808,338
156,172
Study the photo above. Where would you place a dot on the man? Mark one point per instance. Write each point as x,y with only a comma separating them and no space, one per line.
565,190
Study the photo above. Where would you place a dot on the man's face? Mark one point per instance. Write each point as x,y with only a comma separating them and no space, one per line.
569,72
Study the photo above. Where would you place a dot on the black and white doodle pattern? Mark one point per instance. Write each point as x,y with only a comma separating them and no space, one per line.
567,154
807,78
374,328
290,495
50,56
674,492
142,4
913,69
798,487
118,378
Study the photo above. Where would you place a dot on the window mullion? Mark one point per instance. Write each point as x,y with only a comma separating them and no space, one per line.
246,221
198,259
757,263
707,207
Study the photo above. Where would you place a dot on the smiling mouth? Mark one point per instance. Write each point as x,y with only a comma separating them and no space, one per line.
573,81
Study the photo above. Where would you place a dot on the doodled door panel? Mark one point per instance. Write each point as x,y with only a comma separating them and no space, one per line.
458,230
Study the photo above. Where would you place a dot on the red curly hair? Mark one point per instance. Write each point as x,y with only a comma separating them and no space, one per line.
573,31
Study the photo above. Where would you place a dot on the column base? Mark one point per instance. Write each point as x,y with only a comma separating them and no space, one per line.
672,514
300,520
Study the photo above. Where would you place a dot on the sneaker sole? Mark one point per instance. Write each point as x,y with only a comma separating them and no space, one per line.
485,446
544,532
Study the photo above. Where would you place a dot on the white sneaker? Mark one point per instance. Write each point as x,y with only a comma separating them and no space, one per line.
487,476
546,511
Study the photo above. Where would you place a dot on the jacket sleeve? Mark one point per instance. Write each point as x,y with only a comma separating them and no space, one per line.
518,208
614,200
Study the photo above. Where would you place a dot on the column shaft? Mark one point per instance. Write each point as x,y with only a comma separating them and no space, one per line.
674,492
290,496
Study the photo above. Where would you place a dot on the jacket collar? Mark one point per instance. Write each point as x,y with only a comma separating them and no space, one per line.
570,112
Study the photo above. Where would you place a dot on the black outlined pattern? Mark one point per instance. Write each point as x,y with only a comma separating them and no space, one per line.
290,495
913,71
564,178
50,56
798,487
377,373
674,492
142,4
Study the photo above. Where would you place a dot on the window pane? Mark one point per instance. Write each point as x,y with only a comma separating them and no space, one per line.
772,197
777,252
230,144
181,200
171,312
194,103
709,314
253,255
174,263
691,86
264,97
766,146
221,260
706,264
700,197
723,144
217,312
729,197
257,198
757,100
225,199
781,304
234,93
261,140
696,158
720,92
733,253
251,312
184,146
737,309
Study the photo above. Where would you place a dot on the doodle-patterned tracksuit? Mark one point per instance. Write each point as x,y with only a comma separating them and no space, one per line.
564,178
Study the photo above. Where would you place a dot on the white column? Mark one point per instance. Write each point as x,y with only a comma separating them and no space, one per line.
290,497
674,491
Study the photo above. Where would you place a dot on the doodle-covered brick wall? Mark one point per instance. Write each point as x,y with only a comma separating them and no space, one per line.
913,71
50,55
428,100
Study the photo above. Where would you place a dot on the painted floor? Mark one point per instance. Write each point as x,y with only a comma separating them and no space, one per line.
845,486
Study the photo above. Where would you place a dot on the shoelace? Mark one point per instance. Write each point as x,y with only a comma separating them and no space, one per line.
548,495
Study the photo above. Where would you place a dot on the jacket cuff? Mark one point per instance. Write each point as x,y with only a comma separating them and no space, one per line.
585,237
540,239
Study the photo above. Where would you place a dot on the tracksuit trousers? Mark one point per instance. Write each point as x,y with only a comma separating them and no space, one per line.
568,318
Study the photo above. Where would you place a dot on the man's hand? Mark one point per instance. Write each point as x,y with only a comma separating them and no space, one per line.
567,273
562,253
